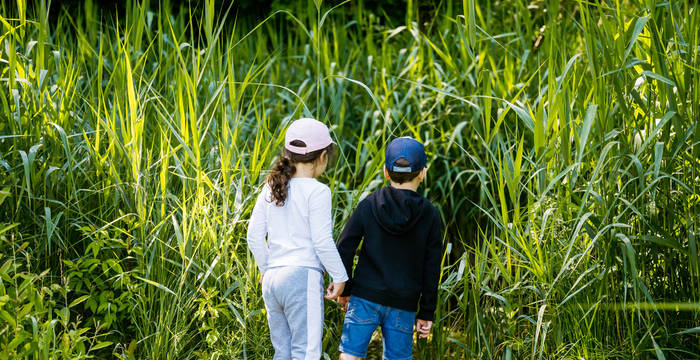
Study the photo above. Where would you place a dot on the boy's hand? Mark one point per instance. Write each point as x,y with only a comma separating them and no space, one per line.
423,327
334,290
344,301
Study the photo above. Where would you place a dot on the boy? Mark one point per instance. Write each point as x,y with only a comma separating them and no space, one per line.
399,263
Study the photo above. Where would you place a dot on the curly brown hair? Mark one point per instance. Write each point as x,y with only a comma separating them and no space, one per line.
284,169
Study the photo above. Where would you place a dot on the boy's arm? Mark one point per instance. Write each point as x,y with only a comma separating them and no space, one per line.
257,230
347,245
431,271
321,223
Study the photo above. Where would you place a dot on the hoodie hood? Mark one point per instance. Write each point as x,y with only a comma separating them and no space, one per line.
397,210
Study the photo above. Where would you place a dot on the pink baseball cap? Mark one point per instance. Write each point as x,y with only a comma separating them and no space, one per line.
311,132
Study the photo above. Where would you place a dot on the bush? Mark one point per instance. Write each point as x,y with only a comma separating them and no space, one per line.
38,322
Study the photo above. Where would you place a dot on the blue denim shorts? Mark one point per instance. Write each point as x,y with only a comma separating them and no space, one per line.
362,319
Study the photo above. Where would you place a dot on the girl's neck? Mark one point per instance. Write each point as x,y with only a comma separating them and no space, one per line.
304,170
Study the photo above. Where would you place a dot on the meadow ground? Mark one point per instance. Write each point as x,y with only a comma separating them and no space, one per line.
563,147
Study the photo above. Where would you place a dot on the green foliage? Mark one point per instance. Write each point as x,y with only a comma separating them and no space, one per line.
563,152
35,321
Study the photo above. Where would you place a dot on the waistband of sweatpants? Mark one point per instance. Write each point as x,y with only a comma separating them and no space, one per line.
295,267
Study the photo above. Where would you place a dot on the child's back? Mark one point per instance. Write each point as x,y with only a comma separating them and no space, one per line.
289,234
398,269
401,252
298,232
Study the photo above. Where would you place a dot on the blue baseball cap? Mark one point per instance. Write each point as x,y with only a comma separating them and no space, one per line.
408,148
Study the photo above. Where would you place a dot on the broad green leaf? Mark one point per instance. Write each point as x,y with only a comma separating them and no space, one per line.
79,300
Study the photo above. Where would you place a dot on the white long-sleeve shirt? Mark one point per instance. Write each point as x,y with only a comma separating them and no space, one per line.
299,233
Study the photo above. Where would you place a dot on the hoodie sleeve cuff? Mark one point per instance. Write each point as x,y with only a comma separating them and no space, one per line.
348,288
426,315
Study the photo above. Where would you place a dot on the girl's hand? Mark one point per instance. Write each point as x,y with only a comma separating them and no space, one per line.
334,290
423,328
261,277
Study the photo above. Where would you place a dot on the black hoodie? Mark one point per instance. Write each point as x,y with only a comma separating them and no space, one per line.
401,252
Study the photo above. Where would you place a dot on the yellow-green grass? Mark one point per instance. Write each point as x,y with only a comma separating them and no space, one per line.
563,156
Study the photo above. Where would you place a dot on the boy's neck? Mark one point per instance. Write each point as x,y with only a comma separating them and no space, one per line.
411,185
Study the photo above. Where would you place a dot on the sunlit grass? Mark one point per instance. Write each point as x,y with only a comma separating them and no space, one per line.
563,154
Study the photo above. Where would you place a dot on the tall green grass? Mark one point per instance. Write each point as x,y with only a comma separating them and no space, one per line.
563,156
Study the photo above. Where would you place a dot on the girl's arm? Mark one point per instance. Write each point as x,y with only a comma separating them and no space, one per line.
257,230
322,234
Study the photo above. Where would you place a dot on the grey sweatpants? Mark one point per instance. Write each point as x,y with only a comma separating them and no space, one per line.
294,303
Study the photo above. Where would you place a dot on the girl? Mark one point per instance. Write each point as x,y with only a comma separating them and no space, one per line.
294,212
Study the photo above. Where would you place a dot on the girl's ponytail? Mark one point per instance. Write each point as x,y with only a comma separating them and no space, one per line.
278,180
282,172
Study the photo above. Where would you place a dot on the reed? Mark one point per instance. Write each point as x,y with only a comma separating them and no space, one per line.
563,155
